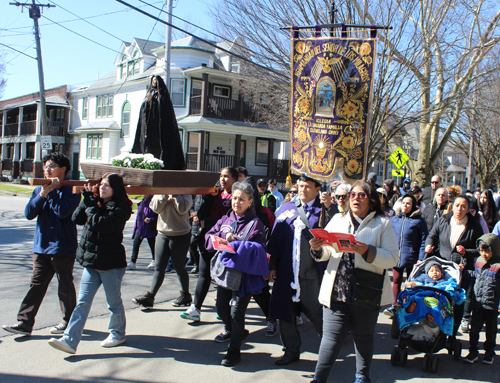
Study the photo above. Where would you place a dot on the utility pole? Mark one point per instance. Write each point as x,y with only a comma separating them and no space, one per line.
35,14
168,43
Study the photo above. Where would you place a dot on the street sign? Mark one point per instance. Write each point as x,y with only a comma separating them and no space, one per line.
398,172
46,142
399,157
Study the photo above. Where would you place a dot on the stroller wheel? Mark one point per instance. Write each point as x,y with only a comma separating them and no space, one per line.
426,363
435,363
395,356
403,357
457,350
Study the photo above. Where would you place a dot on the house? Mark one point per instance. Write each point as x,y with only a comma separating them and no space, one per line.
21,129
218,126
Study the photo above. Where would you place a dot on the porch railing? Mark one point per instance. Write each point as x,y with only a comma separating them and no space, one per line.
27,165
7,164
11,129
28,127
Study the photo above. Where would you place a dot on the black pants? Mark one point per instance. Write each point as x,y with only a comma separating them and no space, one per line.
264,300
204,278
337,321
175,247
458,310
44,268
489,318
232,316
137,244
194,254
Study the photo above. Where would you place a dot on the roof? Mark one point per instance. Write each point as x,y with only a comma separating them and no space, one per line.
98,126
455,169
51,100
146,46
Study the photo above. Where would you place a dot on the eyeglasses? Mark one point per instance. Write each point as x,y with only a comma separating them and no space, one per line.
360,195
293,192
51,166
341,196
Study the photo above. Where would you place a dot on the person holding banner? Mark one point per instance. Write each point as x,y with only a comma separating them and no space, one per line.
375,250
295,275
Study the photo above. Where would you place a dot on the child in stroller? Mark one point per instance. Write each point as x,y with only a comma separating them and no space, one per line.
425,312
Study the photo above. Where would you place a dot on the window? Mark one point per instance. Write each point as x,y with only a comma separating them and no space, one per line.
104,106
126,119
94,146
262,152
30,150
123,70
136,67
177,89
222,91
85,108
196,88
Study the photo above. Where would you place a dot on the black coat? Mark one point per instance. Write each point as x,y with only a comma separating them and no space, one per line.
432,213
100,245
440,238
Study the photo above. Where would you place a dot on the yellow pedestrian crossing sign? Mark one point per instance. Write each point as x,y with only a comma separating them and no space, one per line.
399,157
398,172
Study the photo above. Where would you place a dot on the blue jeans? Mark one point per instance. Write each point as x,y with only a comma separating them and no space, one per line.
91,281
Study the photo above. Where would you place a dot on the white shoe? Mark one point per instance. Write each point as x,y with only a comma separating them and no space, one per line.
110,341
61,344
299,321
192,314
131,266
152,264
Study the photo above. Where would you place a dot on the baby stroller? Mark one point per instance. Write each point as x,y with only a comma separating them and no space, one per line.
425,316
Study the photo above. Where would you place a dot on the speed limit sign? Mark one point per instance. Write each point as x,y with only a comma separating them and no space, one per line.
46,142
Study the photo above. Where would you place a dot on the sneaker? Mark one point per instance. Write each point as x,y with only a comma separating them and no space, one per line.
488,358
464,326
272,326
131,266
231,359
151,264
62,345
169,269
361,379
192,314
224,336
195,270
390,311
59,329
183,300
472,357
299,320
17,329
146,301
111,341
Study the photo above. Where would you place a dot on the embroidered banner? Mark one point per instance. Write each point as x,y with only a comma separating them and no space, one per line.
331,89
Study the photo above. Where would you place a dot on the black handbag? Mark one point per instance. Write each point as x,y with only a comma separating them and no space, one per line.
366,289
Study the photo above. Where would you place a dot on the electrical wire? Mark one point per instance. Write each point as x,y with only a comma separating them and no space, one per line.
88,22
86,38
16,56
31,57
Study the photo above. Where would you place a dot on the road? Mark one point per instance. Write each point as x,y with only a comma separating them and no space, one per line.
16,242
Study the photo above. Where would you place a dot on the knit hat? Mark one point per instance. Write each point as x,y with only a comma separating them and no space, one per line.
261,181
473,204
372,176
389,182
433,263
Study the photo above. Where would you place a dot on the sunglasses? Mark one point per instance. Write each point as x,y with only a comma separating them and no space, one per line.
293,192
341,196
434,182
360,195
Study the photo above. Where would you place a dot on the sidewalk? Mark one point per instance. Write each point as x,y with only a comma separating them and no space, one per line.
161,347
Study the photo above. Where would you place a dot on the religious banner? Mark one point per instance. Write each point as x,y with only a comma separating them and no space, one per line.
331,90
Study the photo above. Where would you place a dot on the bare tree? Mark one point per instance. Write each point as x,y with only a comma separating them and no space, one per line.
3,80
426,65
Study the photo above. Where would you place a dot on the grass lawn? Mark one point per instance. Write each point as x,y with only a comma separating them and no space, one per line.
17,189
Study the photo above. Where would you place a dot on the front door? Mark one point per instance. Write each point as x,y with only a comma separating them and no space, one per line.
243,153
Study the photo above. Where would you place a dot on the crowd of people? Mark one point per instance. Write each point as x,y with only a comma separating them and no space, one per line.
269,243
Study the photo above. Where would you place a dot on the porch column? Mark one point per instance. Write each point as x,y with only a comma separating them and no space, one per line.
237,150
204,94
20,120
4,121
270,156
38,120
201,151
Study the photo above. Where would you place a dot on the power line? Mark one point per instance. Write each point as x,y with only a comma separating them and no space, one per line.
31,57
86,38
16,56
203,40
88,22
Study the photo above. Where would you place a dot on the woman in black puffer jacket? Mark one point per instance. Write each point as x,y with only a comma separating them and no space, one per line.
455,236
104,211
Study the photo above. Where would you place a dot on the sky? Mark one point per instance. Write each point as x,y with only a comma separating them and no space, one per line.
69,59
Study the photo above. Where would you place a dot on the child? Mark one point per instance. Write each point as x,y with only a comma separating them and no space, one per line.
434,274
144,228
486,298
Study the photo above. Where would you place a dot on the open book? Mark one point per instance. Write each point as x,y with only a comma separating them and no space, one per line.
339,241
221,244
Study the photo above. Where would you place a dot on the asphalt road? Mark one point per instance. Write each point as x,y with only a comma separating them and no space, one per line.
16,242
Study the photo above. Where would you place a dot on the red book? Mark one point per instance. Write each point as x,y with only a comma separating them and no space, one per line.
339,241
221,244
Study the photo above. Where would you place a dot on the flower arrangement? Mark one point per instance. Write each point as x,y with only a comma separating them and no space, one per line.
137,161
